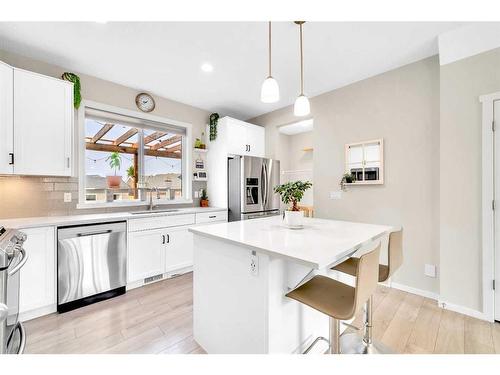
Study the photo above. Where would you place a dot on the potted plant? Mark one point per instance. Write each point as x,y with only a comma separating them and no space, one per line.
115,162
347,178
203,198
292,193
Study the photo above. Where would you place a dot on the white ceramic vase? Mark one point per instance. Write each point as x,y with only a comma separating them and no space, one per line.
293,219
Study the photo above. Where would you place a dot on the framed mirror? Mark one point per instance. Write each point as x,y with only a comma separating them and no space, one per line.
365,161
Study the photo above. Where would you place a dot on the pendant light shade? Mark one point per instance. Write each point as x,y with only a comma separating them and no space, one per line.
301,107
270,91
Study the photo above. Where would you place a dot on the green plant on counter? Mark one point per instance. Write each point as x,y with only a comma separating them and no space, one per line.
293,192
115,161
77,96
347,178
204,195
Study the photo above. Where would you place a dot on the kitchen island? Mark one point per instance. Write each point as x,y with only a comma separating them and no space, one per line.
243,269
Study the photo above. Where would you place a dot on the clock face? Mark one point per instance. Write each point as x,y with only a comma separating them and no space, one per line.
145,102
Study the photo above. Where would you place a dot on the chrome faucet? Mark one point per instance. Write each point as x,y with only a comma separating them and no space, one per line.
151,205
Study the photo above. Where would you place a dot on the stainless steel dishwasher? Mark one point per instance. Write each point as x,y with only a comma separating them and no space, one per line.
91,264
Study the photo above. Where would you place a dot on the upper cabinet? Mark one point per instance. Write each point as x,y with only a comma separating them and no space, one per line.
6,119
243,138
36,124
365,161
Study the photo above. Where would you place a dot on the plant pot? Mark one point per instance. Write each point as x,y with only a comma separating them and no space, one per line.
293,219
114,182
204,203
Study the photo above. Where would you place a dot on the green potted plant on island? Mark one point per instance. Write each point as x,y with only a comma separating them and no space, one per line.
292,193
115,162
203,198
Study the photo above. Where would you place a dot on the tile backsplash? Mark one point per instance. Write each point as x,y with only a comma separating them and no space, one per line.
29,196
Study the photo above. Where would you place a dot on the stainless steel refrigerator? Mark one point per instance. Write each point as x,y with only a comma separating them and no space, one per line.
251,182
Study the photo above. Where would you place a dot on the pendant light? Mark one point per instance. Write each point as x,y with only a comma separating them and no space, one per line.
270,91
301,107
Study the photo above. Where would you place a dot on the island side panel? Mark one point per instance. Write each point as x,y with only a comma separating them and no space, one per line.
230,307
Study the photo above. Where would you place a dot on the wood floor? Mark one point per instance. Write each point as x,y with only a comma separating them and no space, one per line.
158,319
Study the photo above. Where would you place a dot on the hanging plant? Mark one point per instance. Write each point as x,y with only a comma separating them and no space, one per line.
77,96
214,117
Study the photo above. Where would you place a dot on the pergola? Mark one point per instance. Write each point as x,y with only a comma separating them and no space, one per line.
158,143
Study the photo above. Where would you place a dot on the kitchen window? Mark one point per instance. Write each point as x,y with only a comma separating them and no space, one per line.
129,158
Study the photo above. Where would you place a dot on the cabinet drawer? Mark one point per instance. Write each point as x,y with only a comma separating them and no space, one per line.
207,217
155,222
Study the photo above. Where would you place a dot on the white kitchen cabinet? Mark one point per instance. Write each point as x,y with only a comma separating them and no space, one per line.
38,285
43,124
234,137
6,119
146,254
179,249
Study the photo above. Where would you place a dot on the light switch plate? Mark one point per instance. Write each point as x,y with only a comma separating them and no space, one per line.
254,264
430,270
67,197
196,194
336,194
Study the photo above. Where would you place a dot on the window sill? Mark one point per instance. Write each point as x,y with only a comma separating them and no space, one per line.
158,202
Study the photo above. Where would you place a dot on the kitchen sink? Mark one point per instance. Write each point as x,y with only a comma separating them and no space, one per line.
153,211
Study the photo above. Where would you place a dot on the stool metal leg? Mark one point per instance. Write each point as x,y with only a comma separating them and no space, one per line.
354,344
334,336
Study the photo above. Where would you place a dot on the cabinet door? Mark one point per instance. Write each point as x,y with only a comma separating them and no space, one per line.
38,276
256,140
43,122
146,254
236,137
179,250
6,119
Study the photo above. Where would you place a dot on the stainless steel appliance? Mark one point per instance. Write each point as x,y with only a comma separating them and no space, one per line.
12,259
251,181
91,264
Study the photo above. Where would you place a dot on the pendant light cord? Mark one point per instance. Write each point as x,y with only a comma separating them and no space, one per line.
270,49
301,64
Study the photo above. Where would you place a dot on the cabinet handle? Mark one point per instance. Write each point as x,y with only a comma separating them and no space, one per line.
249,148
11,156
67,163
163,239
212,217
168,238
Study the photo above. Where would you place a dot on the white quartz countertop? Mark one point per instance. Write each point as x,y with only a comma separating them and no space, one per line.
44,221
320,244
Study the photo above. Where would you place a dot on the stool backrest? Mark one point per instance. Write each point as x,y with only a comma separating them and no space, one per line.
367,277
395,251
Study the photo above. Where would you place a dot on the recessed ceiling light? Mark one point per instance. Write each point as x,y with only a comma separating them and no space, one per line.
207,67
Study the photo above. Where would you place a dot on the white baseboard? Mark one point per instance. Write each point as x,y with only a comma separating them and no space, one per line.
443,304
36,313
418,292
464,310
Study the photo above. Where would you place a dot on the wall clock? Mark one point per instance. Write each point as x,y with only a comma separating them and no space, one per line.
145,102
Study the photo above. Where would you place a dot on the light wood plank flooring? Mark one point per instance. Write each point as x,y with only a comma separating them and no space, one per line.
158,318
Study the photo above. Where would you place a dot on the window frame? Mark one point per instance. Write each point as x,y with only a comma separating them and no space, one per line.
80,152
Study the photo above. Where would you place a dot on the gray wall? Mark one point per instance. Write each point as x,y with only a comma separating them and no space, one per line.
402,107
462,83
38,196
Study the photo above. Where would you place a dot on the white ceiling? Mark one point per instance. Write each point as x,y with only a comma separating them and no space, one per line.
164,58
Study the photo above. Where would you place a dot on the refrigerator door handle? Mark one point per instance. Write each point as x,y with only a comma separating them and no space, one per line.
262,185
267,185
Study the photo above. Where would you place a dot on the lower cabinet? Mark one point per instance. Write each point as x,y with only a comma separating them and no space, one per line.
37,294
146,254
179,249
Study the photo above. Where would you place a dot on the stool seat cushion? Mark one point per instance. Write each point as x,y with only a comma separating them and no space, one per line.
350,267
328,296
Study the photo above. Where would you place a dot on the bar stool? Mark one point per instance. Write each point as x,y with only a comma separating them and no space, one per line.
353,343
338,300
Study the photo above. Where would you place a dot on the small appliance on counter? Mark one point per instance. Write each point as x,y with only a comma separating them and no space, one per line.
91,264
251,182
12,258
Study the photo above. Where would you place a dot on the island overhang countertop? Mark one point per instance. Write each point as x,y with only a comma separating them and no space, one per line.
319,244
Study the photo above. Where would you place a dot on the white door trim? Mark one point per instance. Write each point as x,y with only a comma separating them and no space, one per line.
488,189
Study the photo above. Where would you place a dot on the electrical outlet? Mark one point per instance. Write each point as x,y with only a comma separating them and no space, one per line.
430,270
196,194
67,197
254,264
336,194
